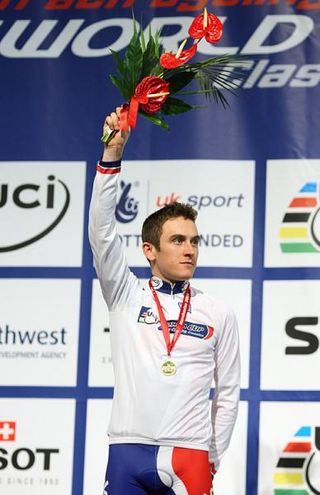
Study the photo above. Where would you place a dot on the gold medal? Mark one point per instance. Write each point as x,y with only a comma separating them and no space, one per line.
168,368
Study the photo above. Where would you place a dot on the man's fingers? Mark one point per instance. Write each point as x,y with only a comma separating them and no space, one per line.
111,124
108,125
115,120
112,121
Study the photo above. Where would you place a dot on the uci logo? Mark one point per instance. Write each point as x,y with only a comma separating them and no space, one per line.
127,207
31,211
298,464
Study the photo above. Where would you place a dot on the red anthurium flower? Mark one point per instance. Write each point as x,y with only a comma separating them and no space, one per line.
151,93
206,25
171,60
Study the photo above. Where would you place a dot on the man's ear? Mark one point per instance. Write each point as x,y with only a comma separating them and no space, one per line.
149,251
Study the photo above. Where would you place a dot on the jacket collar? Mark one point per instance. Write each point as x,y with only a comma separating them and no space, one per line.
169,288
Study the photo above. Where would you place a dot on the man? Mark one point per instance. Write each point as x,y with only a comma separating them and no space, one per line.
168,342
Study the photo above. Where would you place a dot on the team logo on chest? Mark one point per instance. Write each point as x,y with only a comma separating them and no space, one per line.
191,329
147,316
198,330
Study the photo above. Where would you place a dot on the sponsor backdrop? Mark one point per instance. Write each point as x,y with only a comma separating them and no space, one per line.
253,173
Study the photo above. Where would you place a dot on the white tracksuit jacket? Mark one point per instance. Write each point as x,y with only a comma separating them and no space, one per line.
148,407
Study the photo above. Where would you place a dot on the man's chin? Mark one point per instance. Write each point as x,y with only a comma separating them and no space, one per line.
186,274
179,276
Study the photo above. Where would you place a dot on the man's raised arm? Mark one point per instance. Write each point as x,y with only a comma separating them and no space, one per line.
116,280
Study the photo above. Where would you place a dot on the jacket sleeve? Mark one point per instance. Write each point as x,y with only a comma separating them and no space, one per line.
117,282
227,389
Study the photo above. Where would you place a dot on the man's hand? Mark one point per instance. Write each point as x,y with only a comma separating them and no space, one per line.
212,469
114,150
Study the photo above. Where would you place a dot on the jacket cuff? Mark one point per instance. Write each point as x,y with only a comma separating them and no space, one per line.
109,167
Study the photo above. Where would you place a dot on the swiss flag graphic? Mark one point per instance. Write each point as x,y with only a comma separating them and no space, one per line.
7,431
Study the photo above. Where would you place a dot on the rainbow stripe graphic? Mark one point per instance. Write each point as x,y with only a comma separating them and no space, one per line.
297,229
289,477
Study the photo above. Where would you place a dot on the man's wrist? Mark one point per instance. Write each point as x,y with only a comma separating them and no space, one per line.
109,167
112,153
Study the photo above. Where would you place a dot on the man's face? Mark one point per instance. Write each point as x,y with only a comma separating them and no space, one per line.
178,254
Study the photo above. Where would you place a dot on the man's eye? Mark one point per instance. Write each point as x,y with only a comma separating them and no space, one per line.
177,240
195,242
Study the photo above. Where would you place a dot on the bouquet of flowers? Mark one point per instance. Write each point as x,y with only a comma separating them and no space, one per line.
150,80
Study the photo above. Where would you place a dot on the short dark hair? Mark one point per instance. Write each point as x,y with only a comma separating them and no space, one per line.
152,226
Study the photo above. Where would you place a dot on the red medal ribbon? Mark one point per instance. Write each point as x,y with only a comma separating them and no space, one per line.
180,322
124,126
133,112
128,115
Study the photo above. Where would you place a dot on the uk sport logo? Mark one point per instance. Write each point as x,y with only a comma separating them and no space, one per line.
7,431
297,470
300,228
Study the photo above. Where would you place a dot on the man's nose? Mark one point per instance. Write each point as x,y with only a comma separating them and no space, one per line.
190,248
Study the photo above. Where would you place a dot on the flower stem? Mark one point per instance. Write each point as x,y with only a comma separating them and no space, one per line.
155,95
108,136
197,92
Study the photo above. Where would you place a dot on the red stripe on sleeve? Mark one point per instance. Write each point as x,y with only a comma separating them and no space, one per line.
110,171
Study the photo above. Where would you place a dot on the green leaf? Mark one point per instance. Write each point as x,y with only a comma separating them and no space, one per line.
180,80
231,60
217,74
133,63
142,39
219,96
173,106
149,60
156,70
156,119
119,63
156,39
120,85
